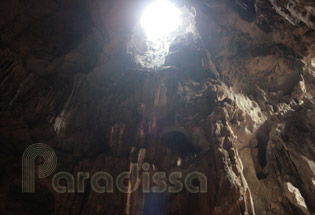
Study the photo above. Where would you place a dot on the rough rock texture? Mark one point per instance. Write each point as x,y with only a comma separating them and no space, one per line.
236,103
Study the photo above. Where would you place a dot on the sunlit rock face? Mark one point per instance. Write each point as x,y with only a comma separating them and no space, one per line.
233,99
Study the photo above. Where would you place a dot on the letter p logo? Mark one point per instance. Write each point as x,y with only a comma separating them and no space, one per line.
28,165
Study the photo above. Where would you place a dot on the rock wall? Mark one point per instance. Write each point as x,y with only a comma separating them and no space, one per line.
236,103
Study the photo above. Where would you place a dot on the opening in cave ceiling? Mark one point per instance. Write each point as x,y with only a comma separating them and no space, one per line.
160,23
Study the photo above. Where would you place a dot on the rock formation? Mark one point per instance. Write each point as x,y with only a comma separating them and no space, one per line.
234,101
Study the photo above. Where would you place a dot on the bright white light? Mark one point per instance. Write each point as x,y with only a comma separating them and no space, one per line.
160,19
